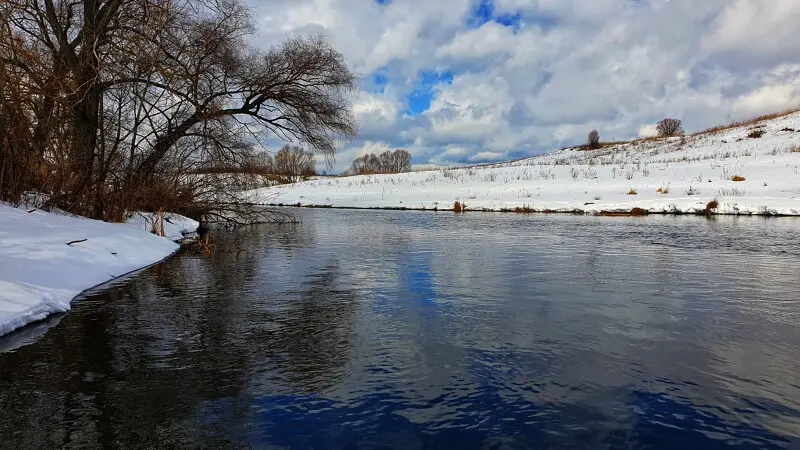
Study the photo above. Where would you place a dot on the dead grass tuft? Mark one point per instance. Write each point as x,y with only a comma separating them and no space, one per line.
204,245
737,178
523,209
712,205
747,122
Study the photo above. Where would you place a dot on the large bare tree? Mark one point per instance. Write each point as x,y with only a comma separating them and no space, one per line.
293,163
135,93
669,127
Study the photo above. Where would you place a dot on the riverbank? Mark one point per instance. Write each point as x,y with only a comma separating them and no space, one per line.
48,259
752,169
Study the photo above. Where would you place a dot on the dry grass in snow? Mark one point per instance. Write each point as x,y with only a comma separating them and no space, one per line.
670,175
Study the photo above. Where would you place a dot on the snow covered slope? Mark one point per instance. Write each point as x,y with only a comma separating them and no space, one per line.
661,175
40,274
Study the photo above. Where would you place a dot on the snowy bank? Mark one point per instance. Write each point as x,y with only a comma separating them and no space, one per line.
176,227
671,175
47,259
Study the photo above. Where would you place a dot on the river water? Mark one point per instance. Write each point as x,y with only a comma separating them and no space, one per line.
358,330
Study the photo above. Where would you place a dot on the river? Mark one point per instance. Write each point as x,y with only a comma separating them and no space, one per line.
394,329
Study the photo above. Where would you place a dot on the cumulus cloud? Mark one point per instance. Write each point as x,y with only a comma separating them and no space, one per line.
767,99
755,33
529,76
648,130
488,156
375,113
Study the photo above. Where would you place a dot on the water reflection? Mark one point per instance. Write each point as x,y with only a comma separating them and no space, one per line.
404,330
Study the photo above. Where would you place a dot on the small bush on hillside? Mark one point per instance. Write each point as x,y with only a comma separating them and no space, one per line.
692,191
669,127
593,141
755,134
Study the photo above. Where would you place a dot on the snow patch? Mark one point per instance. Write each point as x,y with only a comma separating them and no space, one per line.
40,273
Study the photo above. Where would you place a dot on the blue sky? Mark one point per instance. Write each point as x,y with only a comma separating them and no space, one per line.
470,81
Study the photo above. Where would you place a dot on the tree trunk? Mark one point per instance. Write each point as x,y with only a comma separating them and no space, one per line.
145,170
85,113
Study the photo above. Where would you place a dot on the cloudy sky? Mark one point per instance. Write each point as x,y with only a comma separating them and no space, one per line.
467,81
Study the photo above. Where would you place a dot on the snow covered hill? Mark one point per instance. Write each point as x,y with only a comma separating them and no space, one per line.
670,175
47,259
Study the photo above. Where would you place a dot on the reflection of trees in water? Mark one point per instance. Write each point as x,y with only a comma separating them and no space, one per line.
126,370
142,363
312,333
184,348
287,236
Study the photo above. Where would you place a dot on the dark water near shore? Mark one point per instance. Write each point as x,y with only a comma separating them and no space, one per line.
358,330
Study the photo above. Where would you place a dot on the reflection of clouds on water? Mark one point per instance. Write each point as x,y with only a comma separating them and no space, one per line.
429,330
618,334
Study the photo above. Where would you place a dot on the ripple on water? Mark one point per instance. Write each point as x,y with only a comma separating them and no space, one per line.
407,330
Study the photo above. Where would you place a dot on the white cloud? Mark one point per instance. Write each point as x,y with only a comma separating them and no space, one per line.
767,99
756,32
375,112
648,130
567,67
488,41
488,156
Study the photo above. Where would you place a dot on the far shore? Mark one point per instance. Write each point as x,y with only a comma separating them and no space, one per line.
633,212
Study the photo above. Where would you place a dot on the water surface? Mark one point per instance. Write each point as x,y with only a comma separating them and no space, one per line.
430,330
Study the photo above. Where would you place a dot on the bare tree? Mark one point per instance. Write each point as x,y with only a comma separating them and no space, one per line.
117,96
669,127
593,141
387,162
366,164
294,163
401,161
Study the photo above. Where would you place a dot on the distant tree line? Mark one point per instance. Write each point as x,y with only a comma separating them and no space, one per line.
387,162
290,164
